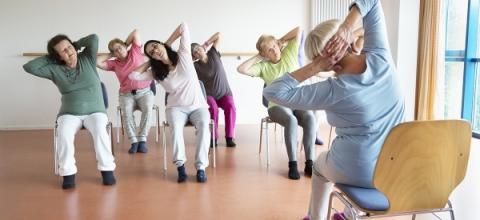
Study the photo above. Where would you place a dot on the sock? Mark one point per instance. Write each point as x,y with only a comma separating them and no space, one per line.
293,171
182,175
201,177
339,216
133,149
230,142
108,178
308,168
68,182
142,147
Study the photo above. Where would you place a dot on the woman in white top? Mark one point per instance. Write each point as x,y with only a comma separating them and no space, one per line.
174,70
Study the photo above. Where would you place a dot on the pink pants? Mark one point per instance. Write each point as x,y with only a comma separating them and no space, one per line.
228,106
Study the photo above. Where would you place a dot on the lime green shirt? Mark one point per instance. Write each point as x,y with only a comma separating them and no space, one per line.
269,71
80,87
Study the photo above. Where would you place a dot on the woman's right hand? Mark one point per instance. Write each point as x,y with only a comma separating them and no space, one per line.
339,43
323,64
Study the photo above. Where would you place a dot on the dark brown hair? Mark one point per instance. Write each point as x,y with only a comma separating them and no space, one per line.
159,69
52,53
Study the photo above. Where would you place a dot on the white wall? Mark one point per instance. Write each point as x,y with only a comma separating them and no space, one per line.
30,102
402,18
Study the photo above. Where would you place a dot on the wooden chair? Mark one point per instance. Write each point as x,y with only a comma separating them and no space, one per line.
420,164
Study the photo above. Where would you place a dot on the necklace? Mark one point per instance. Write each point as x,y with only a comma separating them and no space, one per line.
72,74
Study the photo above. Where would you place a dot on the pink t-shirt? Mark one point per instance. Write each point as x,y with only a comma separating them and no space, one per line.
123,68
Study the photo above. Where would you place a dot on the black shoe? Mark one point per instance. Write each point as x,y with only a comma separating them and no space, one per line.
308,168
318,141
182,175
201,177
108,178
230,142
68,182
216,144
142,147
293,170
133,149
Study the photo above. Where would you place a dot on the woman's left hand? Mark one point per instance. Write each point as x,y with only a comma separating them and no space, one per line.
339,43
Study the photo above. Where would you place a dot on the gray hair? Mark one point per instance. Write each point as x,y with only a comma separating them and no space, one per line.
319,36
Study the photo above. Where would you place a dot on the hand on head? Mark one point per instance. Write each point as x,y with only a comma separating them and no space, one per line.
338,45
323,63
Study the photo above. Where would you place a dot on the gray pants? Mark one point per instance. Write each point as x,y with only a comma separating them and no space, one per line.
143,101
290,119
200,118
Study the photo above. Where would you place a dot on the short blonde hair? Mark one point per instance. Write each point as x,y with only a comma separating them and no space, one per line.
319,36
262,40
115,41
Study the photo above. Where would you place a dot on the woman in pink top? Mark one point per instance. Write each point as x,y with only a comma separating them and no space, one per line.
133,94
174,70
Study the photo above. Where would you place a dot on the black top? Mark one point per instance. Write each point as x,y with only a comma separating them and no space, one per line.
213,76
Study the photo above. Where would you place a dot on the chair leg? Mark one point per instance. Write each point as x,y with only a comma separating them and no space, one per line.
119,123
110,134
452,215
266,143
414,216
164,146
330,200
351,209
261,135
158,123
213,143
55,149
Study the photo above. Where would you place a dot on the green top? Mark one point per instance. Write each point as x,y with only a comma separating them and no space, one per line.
269,71
80,87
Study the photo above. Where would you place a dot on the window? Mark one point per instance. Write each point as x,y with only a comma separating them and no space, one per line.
461,82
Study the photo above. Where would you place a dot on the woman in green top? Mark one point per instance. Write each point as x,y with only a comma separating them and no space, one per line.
274,60
76,77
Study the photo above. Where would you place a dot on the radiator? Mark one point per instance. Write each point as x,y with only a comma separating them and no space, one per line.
323,10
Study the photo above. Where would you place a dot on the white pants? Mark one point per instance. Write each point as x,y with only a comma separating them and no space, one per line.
324,175
68,125
200,118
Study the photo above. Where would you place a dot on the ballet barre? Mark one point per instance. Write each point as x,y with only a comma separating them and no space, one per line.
238,55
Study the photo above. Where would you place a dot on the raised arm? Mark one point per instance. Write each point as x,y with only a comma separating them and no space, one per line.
212,41
142,68
90,43
286,91
175,35
366,13
102,61
245,67
357,45
133,37
142,73
319,64
292,34
39,67
184,34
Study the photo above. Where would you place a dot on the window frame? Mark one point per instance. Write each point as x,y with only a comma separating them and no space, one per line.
470,59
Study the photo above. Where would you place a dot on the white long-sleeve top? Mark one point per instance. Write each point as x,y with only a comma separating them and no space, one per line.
181,83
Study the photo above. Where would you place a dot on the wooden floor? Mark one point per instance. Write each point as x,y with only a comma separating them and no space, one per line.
240,187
